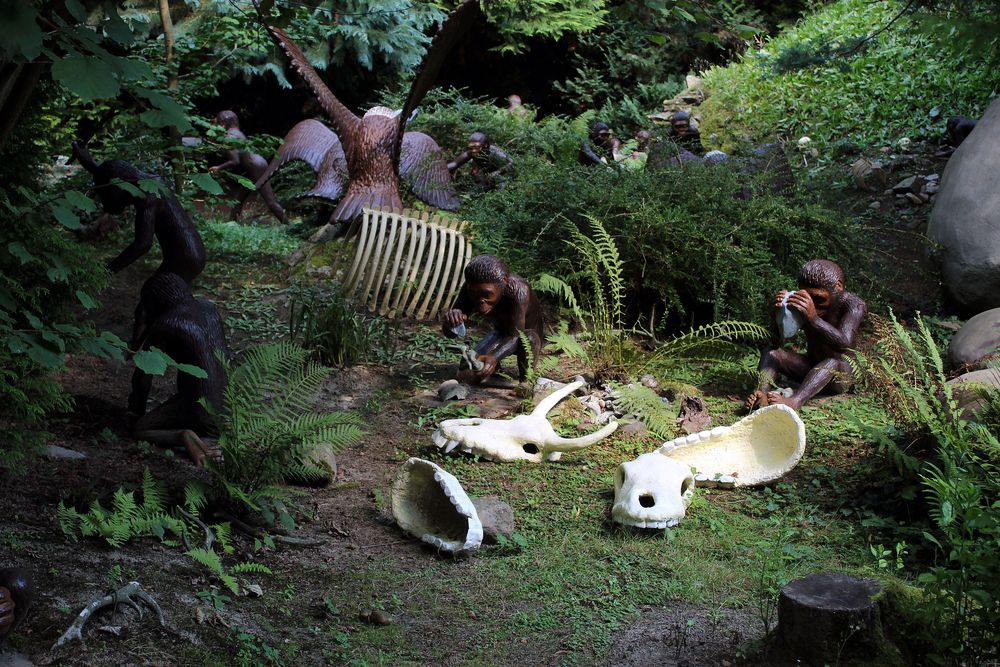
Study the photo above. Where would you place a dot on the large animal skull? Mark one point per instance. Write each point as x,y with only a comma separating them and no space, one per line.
652,492
524,438
431,504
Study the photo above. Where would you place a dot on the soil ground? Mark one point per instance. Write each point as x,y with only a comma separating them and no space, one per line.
620,599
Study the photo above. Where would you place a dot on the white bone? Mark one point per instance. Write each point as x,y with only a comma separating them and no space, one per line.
653,491
523,438
430,504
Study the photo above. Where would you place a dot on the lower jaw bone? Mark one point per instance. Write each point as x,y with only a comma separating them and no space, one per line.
430,504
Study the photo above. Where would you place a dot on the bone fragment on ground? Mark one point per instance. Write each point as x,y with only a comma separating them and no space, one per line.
653,491
123,595
523,438
430,504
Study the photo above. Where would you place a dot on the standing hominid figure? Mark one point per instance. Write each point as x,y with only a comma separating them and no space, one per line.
515,106
158,216
490,165
251,164
830,316
509,303
190,331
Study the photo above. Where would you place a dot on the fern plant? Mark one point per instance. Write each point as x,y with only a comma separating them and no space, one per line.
269,429
211,560
126,518
962,489
648,406
561,341
719,343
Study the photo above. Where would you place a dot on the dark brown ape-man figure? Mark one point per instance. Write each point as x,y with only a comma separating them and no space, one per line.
830,316
957,129
16,595
509,303
158,216
190,331
491,166
249,164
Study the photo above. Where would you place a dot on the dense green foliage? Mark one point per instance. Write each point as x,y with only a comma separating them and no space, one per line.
902,83
961,486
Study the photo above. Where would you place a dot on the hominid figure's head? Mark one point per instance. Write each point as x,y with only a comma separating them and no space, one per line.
162,292
486,279
821,278
478,144
680,122
600,133
227,119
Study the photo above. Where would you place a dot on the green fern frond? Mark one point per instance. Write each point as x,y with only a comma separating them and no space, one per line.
250,568
153,494
69,520
563,342
195,497
207,558
648,406
558,287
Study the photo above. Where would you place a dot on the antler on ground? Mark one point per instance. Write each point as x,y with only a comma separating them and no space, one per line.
123,595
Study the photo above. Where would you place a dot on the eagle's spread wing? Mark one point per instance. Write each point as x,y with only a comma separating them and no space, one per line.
423,167
314,143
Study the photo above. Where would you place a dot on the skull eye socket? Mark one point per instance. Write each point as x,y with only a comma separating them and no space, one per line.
530,448
686,485
647,500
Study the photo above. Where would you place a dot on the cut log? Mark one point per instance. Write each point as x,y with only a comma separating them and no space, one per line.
825,616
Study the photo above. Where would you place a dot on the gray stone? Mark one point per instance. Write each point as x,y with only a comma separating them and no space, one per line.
544,387
453,390
913,184
327,232
649,381
61,453
325,460
966,218
968,388
496,516
14,659
633,428
980,337
914,199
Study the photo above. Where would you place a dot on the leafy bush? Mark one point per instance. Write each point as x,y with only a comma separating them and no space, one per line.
324,322
961,480
903,84
246,242
691,252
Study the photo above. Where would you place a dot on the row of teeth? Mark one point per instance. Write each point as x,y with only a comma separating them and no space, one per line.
448,445
457,496
666,523
700,436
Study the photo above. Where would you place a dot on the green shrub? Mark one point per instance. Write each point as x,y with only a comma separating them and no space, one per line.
691,252
902,84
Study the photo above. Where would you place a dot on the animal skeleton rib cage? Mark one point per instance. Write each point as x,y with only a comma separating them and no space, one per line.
408,264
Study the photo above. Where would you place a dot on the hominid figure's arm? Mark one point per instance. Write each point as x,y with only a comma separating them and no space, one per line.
145,231
459,161
232,161
842,333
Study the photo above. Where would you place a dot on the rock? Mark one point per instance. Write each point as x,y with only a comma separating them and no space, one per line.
694,416
594,404
56,452
633,428
453,390
327,232
496,516
966,218
931,178
869,175
914,199
875,206
375,617
968,388
604,417
827,616
912,184
932,187
14,659
978,338
325,460
649,381
544,387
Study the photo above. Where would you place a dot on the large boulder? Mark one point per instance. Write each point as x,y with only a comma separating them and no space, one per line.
968,390
978,338
966,218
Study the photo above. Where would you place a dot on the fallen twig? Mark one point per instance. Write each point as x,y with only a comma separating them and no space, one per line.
209,533
281,538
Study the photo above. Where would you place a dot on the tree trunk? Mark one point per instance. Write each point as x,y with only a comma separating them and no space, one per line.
168,40
825,615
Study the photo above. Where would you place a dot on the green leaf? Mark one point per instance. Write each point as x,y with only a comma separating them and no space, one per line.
153,361
18,250
166,111
129,188
152,186
66,217
115,27
58,272
43,356
19,30
79,200
76,9
190,369
87,77
86,300
207,183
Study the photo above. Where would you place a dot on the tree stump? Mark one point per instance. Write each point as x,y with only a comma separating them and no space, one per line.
825,615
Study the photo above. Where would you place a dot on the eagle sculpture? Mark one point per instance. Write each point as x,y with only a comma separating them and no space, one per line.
374,152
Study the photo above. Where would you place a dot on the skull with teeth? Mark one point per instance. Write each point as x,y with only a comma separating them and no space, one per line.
524,438
654,490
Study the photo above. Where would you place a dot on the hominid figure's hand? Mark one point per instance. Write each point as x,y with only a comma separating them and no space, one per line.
778,298
454,317
489,366
802,302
